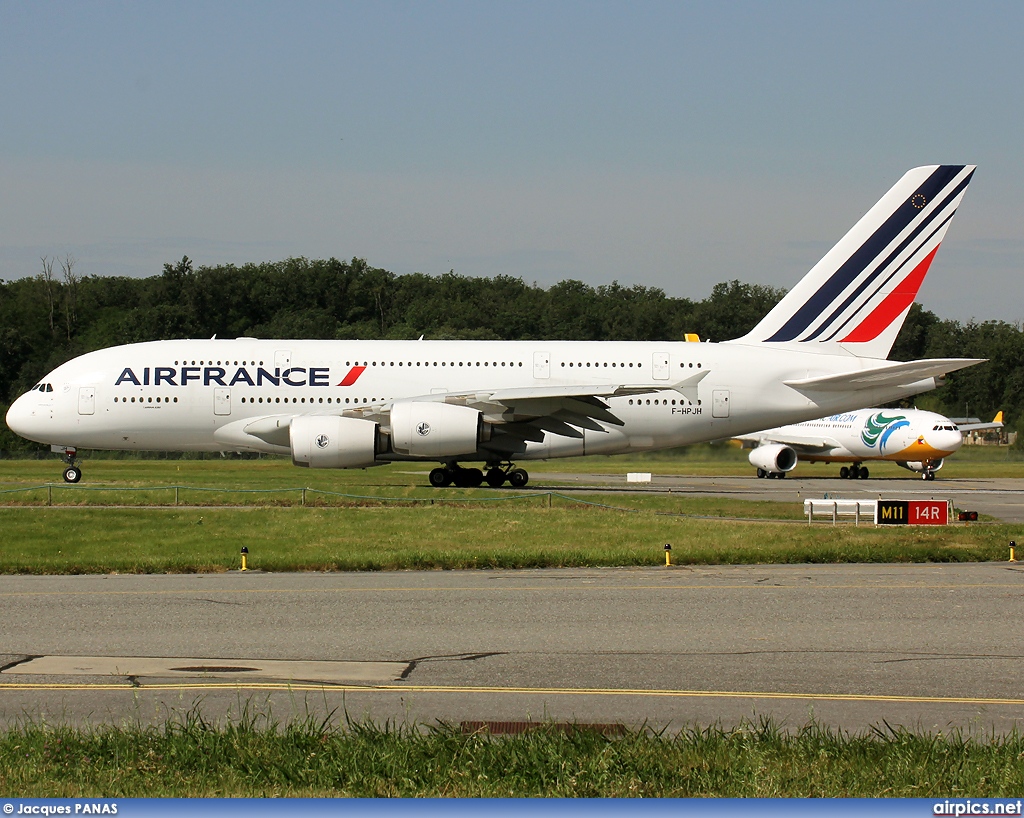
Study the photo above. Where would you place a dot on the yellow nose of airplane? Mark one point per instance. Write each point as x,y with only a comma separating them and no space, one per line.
938,443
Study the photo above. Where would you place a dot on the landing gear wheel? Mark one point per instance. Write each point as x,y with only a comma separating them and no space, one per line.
72,474
467,478
761,473
929,475
495,478
864,474
518,478
781,475
440,478
844,472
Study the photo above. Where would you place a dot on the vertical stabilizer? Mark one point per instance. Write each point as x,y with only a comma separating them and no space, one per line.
856,298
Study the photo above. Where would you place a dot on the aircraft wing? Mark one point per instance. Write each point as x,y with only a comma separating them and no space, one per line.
890,374
802,443
997,423
518,415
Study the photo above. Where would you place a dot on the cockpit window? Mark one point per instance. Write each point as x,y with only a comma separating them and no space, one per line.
42,387
49,387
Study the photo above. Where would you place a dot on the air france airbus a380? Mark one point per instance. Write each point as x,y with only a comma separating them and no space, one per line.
351,404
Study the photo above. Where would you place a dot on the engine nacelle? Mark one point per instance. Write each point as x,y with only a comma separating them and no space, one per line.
920,467
774,458
429,429
327,442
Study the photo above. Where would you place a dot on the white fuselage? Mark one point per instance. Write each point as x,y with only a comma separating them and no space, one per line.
191,395
899,435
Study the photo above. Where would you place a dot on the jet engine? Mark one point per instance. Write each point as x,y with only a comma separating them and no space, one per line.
921,467
774,458
328,442
431,430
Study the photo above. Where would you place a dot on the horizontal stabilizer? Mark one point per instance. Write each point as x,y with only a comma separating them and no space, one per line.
890,374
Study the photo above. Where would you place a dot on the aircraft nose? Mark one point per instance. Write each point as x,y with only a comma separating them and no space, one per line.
949,441
28,419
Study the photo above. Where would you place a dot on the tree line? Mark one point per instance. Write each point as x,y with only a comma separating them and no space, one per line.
48,319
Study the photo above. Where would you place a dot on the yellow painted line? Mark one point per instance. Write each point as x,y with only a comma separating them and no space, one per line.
532,691
563,585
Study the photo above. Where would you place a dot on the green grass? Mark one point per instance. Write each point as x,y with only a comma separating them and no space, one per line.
343,527
255,758
106,540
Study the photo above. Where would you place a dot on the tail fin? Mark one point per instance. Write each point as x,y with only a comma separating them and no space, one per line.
855,299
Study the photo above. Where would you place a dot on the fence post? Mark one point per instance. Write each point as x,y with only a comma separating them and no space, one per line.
303,495
49,494
175,495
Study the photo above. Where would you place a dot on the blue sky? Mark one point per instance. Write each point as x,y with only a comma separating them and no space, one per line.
673,145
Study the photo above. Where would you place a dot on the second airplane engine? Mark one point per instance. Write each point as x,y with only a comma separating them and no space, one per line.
428,429
774,458
918,466
325,442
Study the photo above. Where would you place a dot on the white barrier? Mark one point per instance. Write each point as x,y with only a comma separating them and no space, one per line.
638,477
840,508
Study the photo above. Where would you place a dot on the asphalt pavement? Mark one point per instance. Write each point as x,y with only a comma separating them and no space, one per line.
931,647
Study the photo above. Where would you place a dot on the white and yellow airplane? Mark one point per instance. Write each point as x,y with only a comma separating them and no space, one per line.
912,438
352,404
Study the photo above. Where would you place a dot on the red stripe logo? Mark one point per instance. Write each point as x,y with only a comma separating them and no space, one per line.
352,376
893,305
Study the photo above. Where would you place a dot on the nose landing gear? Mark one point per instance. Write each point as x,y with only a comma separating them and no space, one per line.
72,474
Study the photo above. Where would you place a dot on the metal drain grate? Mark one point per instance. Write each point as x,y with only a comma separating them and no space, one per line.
506,728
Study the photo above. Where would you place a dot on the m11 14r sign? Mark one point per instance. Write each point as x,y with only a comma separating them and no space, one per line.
912,512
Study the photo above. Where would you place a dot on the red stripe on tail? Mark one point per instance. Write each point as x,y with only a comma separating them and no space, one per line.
893,305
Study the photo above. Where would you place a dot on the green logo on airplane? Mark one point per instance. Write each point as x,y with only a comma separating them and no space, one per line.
879,426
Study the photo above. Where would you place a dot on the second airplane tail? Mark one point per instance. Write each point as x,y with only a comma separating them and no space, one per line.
855,299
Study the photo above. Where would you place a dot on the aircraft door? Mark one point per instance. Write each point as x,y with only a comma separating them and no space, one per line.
720,403
660,366
87,400
222,401
542,364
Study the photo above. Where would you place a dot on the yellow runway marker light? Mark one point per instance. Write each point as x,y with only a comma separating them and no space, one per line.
668,554
1013,545
245,554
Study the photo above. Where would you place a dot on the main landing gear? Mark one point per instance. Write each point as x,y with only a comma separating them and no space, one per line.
778,475
72,474
496,476
854,472
928,474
